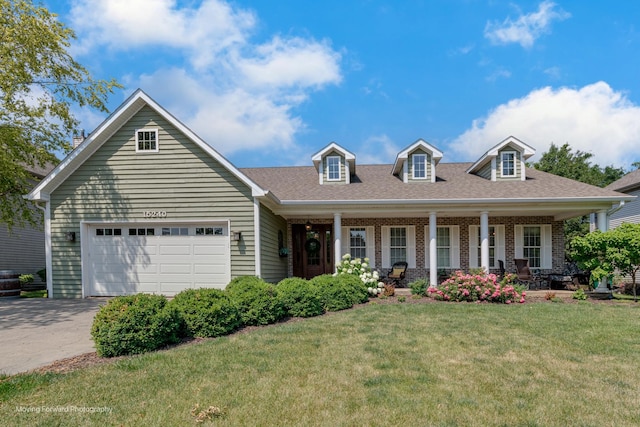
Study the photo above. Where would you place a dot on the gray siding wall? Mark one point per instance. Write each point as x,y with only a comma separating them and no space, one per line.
485,172
118,184
274,268
629,213
22,250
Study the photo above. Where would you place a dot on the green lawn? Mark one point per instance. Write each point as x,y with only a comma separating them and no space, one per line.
441,364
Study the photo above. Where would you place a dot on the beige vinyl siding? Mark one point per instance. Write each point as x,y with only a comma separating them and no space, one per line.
343,168
22,250
428,171
518,165
274,268
118,184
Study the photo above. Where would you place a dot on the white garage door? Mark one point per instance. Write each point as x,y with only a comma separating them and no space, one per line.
163,259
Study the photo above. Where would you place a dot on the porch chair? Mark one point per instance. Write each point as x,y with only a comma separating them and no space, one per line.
525,276
397,273
502,270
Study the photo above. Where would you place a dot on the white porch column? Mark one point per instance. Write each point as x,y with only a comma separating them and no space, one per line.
433,249
337,239
602,226
484,241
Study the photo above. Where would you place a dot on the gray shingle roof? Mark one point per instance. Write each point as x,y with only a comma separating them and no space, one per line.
375,182
628,182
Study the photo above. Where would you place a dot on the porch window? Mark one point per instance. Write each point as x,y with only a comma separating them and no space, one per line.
534,242
508,164
419,166
398,244
358,242
496,246
333,168
532,247
447,246
443,244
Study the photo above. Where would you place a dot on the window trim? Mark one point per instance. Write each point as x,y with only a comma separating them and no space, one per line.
502,162
157,139
454,247
546,244
414,157
328,161
386,244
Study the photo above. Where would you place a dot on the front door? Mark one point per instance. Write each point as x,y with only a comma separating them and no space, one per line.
313,250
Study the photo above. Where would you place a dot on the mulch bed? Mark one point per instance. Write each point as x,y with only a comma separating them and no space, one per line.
92,359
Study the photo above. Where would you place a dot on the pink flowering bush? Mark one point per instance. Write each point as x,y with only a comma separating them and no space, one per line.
478,288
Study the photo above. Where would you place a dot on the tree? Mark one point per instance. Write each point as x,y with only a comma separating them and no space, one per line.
604,253
39,84
562,161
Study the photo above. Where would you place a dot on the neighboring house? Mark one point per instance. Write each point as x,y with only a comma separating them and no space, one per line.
630,212
22,248
145,205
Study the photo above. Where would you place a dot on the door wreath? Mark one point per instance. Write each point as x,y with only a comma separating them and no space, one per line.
312,245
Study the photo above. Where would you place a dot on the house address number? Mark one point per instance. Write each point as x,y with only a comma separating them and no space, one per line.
154,214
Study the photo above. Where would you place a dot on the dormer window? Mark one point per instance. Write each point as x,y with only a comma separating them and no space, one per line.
508,163
333,168
147,140
419,166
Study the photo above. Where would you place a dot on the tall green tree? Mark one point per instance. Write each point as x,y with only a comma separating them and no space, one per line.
39,84
563,161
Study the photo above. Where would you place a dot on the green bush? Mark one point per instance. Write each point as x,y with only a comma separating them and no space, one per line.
256,300
419,287
355,287
207,312
334,294
135,324
299,297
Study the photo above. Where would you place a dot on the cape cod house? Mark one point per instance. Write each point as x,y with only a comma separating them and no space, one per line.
144,205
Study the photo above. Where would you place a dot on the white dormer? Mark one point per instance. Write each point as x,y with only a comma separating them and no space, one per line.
504,162
417,162
334,164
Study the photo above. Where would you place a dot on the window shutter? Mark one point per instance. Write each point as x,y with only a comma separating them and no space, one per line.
426,246
386,241
371,245
500,250
454,234
411,246
518,240
473,246
547,247
345,243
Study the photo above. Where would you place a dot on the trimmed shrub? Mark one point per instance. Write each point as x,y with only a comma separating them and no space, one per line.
334,294
299,297
256,300
135,324
356,288
207,312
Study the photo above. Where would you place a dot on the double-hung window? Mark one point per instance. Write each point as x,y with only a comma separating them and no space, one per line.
496,246
535,243
358,242
333,168
397,244
447,246
508,162
419,166
443,245
147,141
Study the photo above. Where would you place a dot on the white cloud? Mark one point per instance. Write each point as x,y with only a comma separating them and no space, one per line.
234,93
594,119
377,149
527,28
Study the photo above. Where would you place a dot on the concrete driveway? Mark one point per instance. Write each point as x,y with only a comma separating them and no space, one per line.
35,332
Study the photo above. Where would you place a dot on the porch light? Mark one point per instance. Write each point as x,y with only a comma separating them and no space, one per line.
308,226
70,236
237,235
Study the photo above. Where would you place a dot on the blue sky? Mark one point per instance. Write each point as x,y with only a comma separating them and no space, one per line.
269,83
